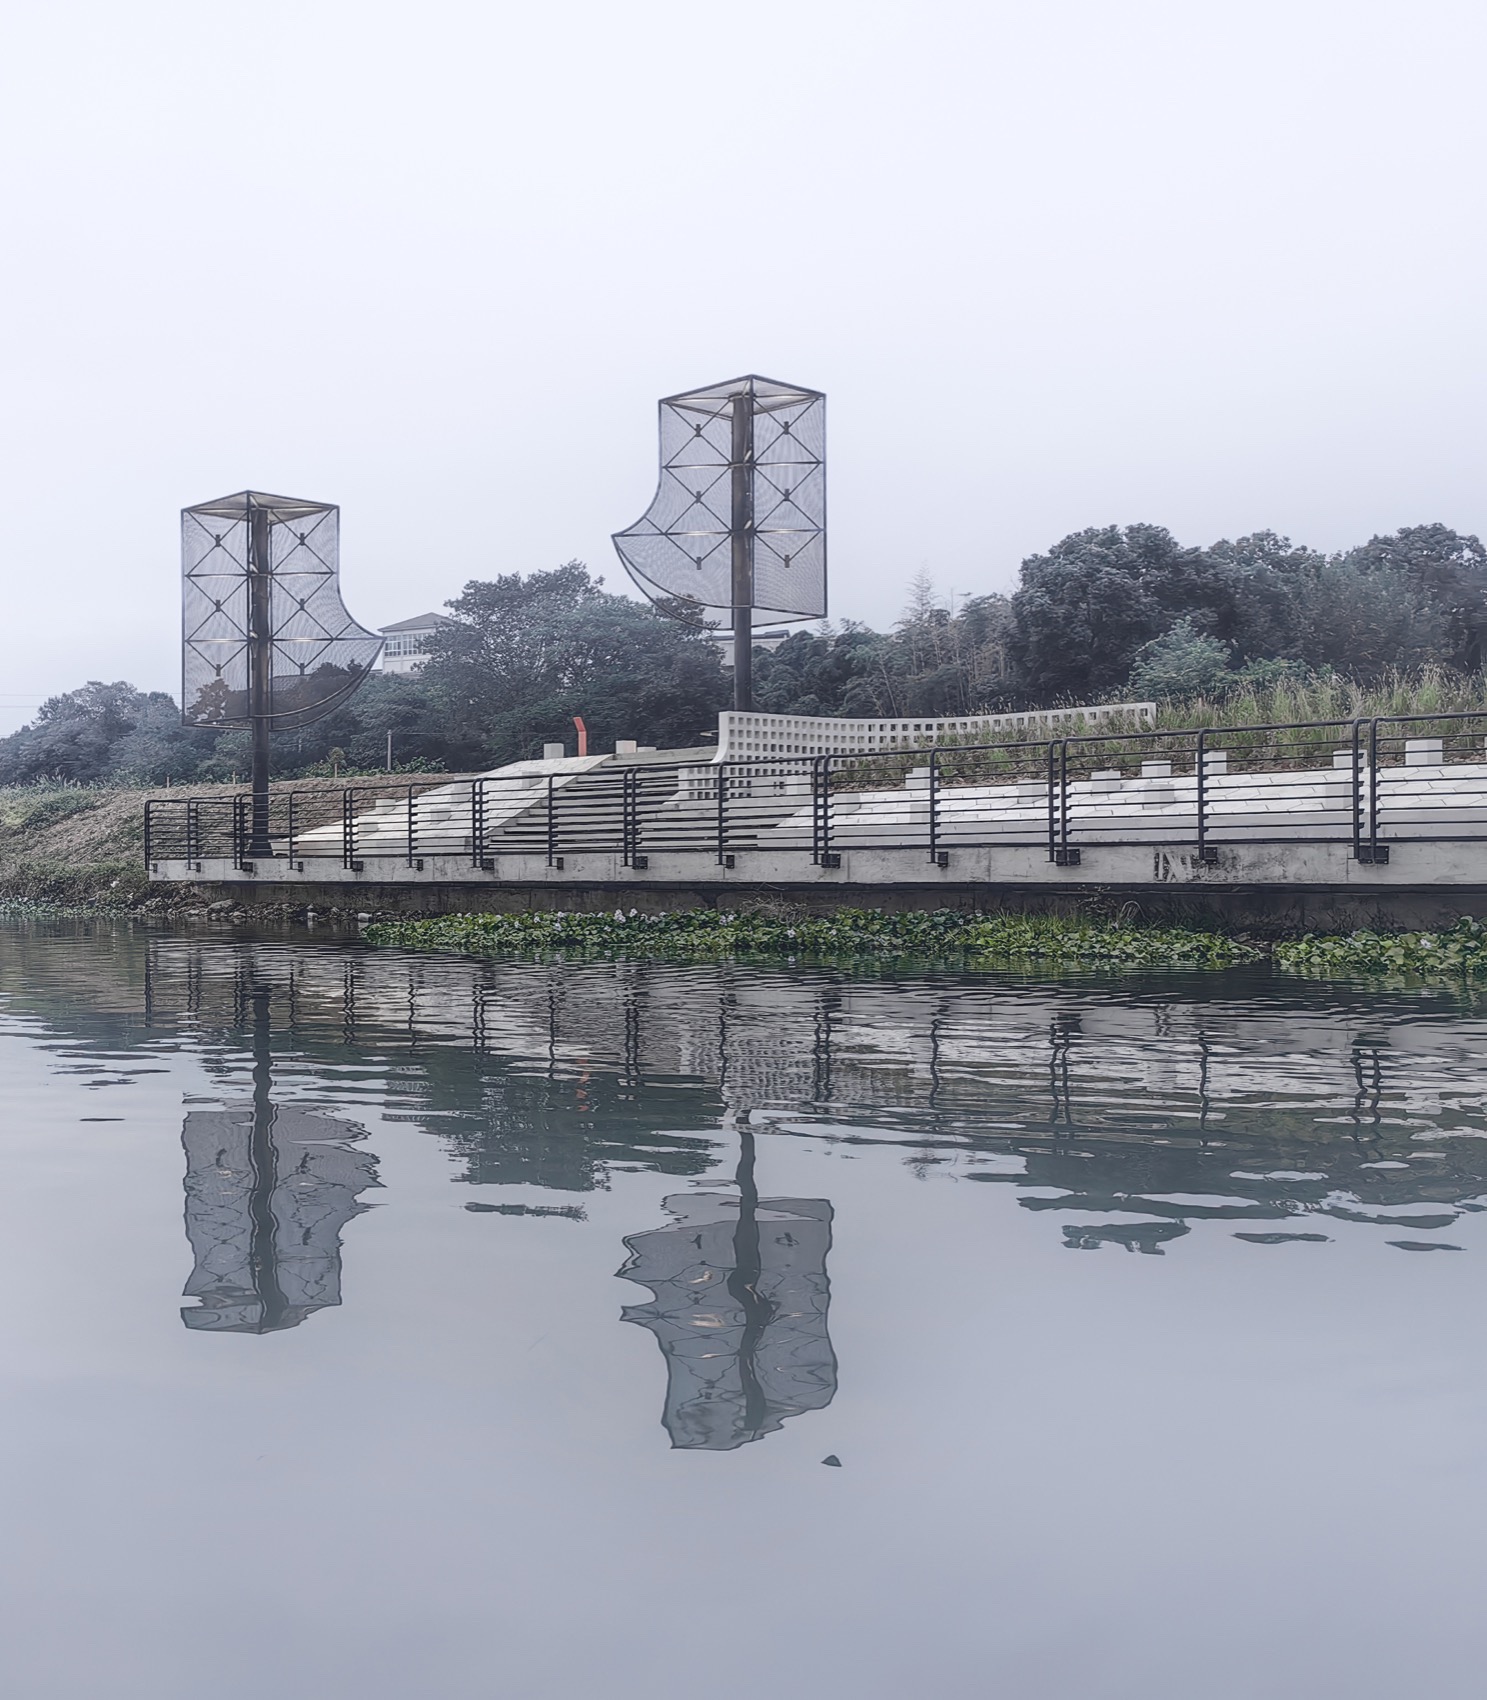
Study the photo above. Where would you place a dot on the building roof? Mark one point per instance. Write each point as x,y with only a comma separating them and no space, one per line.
419,623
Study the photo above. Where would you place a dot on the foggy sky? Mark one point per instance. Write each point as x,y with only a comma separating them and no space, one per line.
1055,265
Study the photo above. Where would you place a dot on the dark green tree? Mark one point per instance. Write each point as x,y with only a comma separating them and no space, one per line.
1445,569
1086,607
522,656
104,731
1180,663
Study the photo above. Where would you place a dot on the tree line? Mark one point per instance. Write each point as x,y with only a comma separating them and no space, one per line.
1109,613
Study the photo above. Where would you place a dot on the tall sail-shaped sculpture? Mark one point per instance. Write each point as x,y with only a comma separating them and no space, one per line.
738,523
267,642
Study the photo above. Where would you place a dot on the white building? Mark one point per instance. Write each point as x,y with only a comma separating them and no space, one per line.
770,640
406,642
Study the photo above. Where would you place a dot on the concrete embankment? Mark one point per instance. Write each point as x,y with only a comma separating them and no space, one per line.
83,848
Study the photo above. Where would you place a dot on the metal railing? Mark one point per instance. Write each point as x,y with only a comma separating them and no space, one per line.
1367,783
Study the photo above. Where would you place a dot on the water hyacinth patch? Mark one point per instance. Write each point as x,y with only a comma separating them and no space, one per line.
1448,952
934,935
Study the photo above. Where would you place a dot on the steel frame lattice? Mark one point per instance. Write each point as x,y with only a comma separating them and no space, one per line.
265,635
738,520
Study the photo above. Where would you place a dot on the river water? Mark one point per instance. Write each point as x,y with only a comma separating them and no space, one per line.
384,1325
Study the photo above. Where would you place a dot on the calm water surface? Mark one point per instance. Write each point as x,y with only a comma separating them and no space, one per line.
383,1325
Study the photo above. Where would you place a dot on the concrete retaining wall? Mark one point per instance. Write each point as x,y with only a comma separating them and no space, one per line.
1266,886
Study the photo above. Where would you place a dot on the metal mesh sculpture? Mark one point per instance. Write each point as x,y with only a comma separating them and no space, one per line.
738,522
267,642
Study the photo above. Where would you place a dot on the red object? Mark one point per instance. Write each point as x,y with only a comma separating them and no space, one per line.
583,736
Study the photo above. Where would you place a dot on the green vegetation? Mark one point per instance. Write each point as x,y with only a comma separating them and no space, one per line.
849,933
1232,633
71,847
27,808
1451,952
944,936
1292,698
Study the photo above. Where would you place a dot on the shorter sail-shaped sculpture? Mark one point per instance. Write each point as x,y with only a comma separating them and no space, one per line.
266,637
738,521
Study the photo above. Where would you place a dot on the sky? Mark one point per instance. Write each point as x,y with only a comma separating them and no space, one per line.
1055,265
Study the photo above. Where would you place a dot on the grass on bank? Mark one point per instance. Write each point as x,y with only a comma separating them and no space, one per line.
1333,698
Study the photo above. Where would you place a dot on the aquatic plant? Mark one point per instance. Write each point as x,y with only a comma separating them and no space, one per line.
933,935
1452,951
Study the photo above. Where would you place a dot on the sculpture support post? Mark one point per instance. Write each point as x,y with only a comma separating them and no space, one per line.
260,665
741,528
263,1253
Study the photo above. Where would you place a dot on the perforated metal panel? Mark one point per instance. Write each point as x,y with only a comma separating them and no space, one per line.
746,458
318,653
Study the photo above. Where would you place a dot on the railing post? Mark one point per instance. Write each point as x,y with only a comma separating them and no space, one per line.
629,816
1373,788
291,826
934,798
1052,812
1357,792
722,820
149,804
410,826
552,822
477,822
826,851
1058,805
348,829
1201,774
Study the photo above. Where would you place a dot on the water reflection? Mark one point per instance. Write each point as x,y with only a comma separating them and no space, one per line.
1126,1110
1119,1244
740,1296
268,1190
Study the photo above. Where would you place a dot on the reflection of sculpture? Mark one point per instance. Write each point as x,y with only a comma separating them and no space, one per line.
268,1190
740,1301
265,1205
